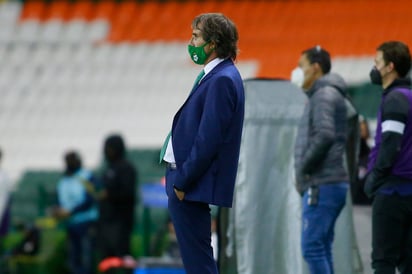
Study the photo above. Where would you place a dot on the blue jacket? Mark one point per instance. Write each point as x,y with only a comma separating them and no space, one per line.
206,134
73,197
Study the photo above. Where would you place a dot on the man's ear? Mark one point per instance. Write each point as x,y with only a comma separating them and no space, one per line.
391,66
212,45
318,69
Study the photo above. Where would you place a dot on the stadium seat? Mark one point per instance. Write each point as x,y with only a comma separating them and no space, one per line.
33,10
40,56
74,32
18,55
81,10
7,33
27,32
61,55
9,13
58,10
51,32
104,10
97,31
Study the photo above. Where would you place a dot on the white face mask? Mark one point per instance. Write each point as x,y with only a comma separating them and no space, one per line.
297,77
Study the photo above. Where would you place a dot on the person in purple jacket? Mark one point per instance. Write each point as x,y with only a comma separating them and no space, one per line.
389,179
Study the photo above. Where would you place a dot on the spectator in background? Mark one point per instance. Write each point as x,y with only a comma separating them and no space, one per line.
29,244
116,201
358,195
78,209
389,178
321,177
172,250
5,203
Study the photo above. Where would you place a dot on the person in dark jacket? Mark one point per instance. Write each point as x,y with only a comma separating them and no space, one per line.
321,177
389,178
117,201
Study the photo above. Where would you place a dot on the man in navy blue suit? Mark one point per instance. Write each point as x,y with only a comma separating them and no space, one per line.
202,151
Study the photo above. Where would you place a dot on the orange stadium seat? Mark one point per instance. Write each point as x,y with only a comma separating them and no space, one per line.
143,26
104,9
121,21
186,13
271,32
116,34
125,11
168,27
59,9
33,10
82,9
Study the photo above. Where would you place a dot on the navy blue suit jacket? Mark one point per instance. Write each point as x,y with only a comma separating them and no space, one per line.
206,136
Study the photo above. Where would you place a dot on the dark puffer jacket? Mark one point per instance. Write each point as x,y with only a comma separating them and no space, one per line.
322,133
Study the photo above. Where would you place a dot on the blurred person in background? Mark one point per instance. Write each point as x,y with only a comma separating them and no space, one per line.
5,203
358,195
117,200
78,209
202,152
172,250
28,245
389,178
321,178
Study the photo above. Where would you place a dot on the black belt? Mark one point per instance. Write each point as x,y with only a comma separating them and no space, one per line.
171,166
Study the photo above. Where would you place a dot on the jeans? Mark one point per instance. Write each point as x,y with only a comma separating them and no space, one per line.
81,244
318,223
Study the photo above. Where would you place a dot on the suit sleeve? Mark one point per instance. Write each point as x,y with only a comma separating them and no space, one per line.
218,111
323,131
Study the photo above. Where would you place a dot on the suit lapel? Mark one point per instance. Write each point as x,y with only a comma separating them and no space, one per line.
204,80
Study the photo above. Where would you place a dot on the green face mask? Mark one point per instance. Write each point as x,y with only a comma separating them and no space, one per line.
198,54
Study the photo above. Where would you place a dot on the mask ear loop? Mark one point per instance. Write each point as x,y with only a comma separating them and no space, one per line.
204,45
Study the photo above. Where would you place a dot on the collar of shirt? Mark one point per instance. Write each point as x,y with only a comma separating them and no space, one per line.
211,65
398,83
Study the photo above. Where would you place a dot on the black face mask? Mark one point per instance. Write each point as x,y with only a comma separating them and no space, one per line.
376,77
71,169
